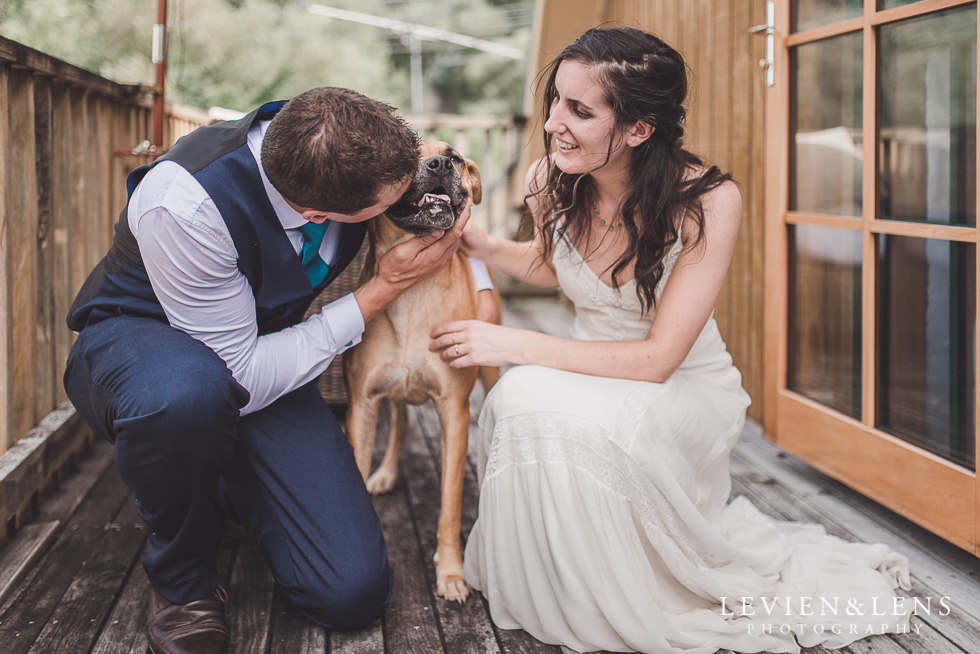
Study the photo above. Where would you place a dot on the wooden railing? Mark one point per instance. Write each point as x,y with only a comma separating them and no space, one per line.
61,187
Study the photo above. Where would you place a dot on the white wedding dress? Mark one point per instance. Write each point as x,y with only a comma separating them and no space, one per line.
604,520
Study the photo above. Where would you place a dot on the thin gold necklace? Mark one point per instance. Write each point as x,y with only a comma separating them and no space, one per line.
602,221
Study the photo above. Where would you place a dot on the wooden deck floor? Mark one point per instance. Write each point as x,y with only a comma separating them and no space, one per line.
71,580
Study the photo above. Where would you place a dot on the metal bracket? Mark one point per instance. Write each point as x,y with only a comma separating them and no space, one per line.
143,149
159,37
767,29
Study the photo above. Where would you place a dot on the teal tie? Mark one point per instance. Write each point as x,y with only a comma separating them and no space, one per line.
316,268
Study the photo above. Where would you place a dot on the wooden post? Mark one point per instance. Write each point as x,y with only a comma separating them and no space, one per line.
61,213
6,378
79,227
160,70
48,378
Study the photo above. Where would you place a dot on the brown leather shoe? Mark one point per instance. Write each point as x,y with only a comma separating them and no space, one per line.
194,628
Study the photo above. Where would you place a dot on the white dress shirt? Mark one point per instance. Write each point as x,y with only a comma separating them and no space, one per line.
192,264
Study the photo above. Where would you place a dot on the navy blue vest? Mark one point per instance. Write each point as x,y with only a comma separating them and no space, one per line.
219,159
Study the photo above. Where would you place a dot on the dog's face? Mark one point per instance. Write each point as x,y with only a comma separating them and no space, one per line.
439,190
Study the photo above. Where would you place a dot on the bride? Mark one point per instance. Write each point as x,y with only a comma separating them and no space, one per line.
604,520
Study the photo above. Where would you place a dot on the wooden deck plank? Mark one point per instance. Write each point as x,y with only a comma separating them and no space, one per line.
20,554
24,614
75,623
249,607
875,645
292,633
409,621
366,640
123,630
60,502
465,627
56,505
929,640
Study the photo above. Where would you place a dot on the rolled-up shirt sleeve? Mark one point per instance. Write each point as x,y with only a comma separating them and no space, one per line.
481,275
192,266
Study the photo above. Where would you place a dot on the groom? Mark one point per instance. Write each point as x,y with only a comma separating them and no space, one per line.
194,360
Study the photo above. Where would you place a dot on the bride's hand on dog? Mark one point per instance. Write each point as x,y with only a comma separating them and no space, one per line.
475,242
466,343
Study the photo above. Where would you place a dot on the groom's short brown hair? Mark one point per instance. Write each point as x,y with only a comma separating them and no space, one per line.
333,149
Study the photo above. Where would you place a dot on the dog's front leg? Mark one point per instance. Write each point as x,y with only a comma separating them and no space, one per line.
384,478
362,421
454,416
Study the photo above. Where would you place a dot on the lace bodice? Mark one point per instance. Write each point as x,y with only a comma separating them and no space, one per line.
602,313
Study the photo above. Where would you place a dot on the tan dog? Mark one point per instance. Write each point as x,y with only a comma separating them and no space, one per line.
393,360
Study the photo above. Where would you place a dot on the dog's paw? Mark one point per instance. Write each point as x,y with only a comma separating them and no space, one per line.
381,482
453,587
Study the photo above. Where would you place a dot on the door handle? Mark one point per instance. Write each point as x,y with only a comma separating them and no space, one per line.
767,29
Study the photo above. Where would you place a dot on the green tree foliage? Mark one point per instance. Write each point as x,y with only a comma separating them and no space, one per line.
240,53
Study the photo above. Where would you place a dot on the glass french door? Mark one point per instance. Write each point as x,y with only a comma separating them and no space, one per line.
871,231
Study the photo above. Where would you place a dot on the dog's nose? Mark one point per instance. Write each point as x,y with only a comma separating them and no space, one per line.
439,163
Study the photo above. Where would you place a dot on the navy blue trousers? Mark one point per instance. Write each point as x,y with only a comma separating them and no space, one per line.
170,407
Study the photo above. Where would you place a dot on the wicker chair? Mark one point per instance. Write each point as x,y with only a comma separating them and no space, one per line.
331,382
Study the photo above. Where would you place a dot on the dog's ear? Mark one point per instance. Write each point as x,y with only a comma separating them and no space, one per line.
476,186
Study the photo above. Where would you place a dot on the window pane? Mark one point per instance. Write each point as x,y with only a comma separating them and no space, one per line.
825,124
806,14
926,308
888,4
927,88
825,316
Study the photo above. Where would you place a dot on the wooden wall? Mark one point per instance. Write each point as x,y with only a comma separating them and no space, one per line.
61,189
725,126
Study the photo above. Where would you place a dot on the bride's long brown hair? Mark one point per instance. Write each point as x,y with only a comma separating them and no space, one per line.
645,80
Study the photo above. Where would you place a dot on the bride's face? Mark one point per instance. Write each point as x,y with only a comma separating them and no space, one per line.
582,123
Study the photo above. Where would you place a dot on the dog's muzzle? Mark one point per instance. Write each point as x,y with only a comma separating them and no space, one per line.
433,200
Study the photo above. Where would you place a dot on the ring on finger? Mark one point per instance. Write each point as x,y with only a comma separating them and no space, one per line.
454,338
456,349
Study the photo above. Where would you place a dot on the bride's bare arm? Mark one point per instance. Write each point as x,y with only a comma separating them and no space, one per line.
524,261
688,299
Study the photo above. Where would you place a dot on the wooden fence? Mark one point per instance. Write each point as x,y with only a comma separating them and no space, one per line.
61,186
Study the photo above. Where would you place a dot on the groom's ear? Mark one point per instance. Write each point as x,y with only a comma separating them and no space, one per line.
315,216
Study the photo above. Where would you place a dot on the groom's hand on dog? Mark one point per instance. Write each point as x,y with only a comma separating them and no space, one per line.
408,263
417,258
